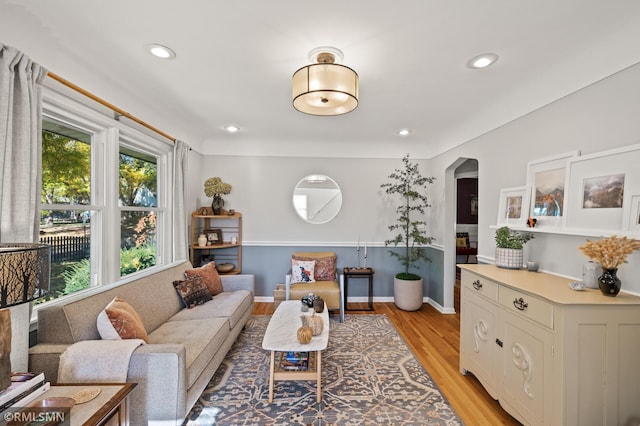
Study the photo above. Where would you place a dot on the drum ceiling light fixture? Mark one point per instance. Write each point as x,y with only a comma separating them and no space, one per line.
325,87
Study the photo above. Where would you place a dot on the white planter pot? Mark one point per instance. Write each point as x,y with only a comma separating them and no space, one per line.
509,258
407,294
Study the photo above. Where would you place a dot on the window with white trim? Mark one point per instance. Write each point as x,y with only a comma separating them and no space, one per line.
104,197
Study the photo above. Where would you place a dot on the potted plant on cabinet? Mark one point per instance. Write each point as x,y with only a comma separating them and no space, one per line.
509,247
410,185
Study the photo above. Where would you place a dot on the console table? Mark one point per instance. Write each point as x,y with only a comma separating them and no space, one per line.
550,355
358,273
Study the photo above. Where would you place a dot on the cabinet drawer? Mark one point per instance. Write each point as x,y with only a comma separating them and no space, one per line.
529,306
481,285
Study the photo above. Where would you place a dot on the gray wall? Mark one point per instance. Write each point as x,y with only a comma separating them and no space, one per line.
600,117
262,192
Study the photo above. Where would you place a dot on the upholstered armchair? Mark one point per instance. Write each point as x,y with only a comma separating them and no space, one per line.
316,272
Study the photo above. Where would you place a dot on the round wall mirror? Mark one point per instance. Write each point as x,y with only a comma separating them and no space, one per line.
317,199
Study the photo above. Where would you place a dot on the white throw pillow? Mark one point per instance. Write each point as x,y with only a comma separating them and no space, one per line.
302,271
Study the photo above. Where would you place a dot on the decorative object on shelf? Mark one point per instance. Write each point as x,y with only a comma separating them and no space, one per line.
205,211
576,285
234,240
202,240
509,247
215,187
532,266
318,305
531,222
309,299
225,267
590,272
231,212
325,88
610,253
214,236
609,283
409,184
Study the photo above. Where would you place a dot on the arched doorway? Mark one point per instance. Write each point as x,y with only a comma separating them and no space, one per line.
459,207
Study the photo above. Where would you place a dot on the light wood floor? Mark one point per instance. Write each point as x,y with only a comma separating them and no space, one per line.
435,340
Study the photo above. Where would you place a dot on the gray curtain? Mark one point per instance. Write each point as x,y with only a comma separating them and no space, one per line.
20,145
180,240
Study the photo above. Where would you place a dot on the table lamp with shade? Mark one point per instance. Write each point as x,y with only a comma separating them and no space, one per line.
24,276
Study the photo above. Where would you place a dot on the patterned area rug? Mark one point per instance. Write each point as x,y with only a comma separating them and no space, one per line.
369,377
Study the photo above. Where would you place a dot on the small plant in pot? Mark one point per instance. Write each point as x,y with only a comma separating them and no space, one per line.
509,247
410,185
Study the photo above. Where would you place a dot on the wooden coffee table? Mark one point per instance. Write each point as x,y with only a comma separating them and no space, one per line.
281,337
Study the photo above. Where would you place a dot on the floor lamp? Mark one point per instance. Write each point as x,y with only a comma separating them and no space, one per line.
24,276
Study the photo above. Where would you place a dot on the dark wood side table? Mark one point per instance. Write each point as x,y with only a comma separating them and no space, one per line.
109,408
351,272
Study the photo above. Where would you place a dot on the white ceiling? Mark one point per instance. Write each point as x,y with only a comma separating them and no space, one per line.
235,60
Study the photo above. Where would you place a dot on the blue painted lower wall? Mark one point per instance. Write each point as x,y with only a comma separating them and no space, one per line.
270,264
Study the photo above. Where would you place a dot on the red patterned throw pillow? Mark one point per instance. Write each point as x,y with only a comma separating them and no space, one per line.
120,321
325,269
209,275
192,291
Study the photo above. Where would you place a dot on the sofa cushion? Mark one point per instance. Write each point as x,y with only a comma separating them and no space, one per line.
230,304
209,275
118,320
192,291
201,339
302,271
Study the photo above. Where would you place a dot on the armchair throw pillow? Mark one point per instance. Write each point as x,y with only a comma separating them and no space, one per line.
302,271
325,268
118,320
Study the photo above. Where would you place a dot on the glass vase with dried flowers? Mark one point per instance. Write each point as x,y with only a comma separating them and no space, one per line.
610,253
215,187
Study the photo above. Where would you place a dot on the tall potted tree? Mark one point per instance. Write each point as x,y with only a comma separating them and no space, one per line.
409,184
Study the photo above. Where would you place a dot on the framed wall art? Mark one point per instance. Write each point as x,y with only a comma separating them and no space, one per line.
546,181
601,187
513,206
633,223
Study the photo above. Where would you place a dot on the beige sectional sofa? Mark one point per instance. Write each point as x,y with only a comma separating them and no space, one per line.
185,347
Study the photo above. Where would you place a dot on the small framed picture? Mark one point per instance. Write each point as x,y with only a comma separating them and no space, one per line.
513,207
214,236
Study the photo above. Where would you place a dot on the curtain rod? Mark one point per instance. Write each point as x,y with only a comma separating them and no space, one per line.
118,111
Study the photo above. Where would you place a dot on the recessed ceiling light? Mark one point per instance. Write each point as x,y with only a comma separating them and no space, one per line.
231,128
160,51
404,132
482,61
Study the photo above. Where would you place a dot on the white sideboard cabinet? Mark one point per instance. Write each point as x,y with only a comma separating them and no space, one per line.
548,354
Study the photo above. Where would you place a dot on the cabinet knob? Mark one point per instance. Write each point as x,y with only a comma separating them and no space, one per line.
477,284
499,342
520,304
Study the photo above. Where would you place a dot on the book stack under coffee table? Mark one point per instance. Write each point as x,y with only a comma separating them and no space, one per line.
290,359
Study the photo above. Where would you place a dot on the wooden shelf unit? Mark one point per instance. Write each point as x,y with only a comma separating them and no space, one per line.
225,252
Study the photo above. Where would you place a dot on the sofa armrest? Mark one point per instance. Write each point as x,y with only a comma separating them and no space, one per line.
45,357
161,374
238,282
